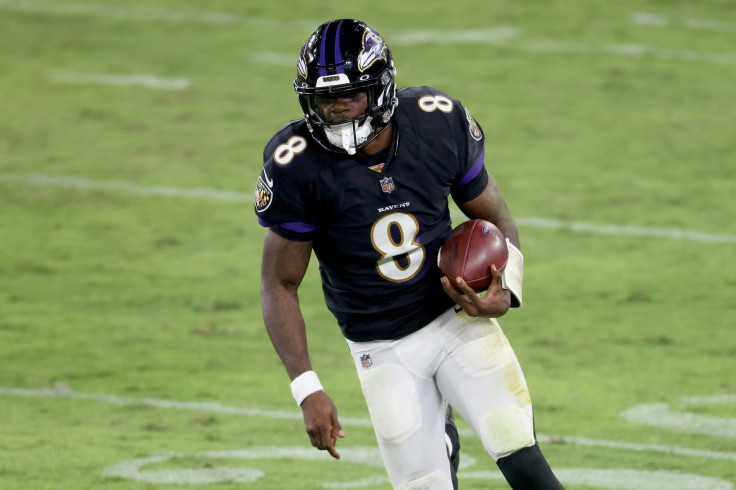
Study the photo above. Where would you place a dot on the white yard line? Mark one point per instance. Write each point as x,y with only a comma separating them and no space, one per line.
709,400
627,230
85,184
214,407
650,19
506,37
485,36
552,46
627,50
616,478
124,12
620,478
277,59
631,446
118,12
662,416
500,36
135,79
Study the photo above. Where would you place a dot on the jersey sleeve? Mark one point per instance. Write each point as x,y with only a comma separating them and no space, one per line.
280,201
471,178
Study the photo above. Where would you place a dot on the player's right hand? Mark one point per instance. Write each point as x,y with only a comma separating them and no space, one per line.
320,420
493,304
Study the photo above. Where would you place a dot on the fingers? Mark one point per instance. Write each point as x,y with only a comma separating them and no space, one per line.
456,296
495,277
462,295
493,304
336,428
459,292
334,432
467,290
327,442
324,438
450,290
321,423
333,452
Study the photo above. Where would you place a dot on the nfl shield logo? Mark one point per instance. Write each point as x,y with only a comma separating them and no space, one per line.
387,184
366,361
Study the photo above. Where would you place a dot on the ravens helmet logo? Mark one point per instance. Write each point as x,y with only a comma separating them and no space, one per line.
374,49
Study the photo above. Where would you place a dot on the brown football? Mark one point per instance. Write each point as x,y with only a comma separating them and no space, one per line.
469,252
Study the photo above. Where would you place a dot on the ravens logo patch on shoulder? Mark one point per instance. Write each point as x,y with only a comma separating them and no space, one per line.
475,131
263,196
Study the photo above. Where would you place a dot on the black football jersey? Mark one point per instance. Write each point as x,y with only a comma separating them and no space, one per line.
377,226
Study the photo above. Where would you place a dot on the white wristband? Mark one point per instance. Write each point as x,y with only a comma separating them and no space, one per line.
304,385
513,273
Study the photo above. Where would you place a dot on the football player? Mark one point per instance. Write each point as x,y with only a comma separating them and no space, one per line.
363,181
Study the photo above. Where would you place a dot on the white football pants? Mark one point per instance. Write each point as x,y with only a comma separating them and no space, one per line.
467,361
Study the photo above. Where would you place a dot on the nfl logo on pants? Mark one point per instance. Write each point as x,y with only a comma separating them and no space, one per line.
366,361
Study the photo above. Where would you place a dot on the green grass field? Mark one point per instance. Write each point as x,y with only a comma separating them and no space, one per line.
132,349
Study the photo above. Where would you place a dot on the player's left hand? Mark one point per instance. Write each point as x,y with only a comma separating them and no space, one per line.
493,304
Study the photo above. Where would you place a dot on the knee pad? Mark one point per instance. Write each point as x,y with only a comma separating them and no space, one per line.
432,481
505,430
393,402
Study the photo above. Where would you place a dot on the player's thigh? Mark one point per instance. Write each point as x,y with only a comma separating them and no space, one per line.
482,379
407,412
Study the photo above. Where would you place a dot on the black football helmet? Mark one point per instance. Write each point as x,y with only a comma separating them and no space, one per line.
343,57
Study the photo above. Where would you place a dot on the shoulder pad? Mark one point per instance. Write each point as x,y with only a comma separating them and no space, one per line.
296,127
289,142
417,92
427,99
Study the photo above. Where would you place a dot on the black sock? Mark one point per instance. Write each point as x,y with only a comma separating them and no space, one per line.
527,469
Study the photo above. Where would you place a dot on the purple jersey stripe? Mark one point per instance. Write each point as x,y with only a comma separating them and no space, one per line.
299,227
291,226
475,169
338,55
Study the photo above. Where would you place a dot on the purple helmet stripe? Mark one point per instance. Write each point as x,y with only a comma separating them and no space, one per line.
322,59
475,169
338,55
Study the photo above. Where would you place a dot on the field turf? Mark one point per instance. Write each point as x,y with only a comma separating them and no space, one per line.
132,347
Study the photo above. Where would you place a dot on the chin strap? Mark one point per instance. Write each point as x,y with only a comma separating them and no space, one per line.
349,136
348,140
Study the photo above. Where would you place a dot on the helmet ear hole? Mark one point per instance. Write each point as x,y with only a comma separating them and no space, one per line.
343,56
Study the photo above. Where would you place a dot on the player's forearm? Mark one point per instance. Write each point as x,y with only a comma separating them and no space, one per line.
491,206
286,328
507,225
